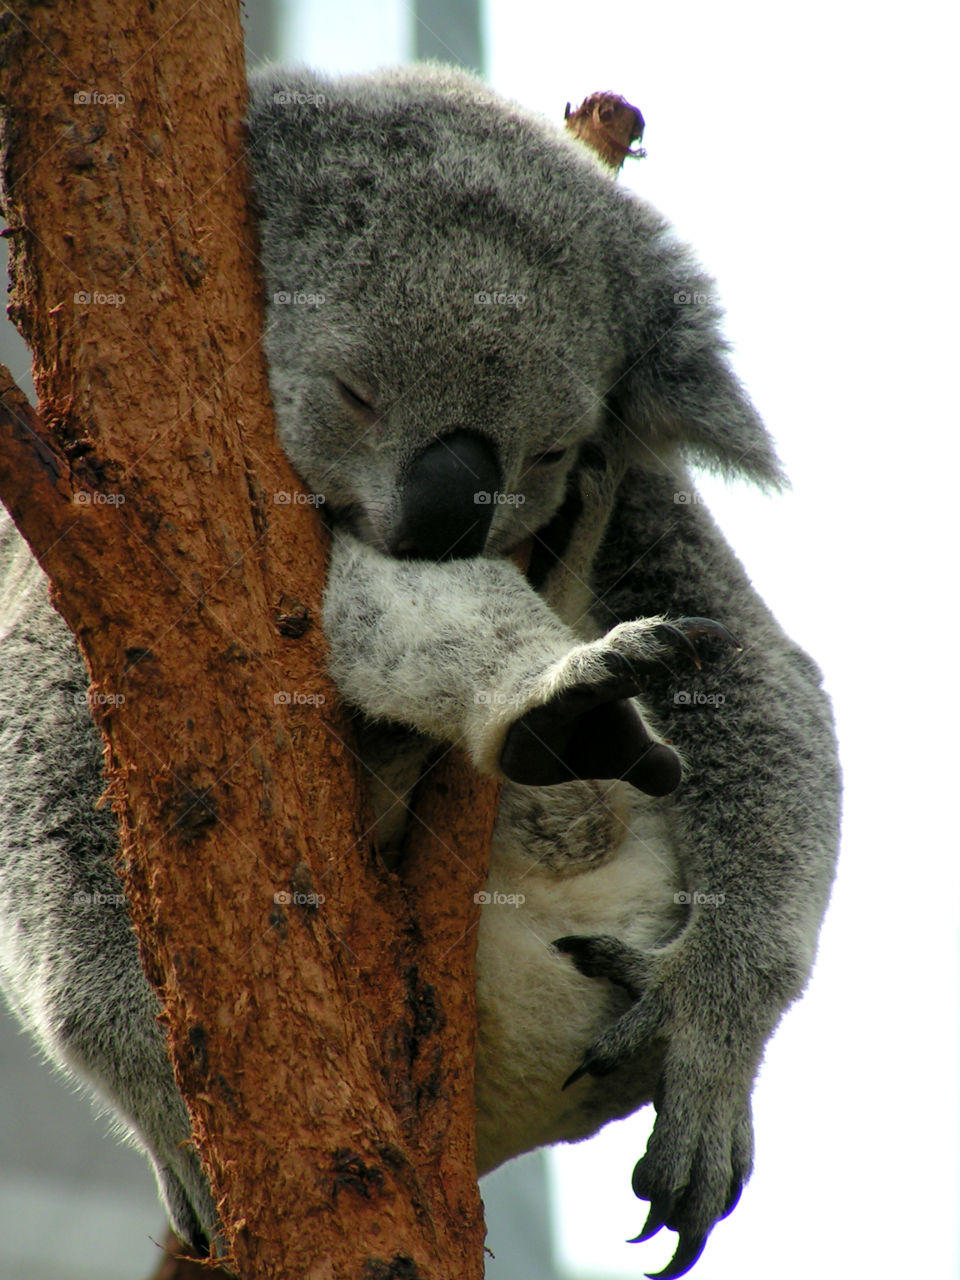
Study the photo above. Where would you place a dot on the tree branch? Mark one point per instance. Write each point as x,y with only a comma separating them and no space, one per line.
325,1047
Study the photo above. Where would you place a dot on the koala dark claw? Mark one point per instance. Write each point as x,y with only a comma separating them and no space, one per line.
661,1207
676,634
586,1067
688,1252
708,627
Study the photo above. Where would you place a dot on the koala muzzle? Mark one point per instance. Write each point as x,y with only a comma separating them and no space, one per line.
448,500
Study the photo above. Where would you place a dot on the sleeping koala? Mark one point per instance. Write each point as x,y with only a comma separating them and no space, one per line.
483,354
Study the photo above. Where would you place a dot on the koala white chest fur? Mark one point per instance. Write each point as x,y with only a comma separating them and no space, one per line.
536,1011
479,345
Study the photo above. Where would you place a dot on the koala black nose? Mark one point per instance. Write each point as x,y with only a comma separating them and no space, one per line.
447,501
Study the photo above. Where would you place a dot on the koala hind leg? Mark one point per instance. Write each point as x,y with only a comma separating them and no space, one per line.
69,959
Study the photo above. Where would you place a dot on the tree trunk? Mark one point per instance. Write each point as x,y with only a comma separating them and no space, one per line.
320,1008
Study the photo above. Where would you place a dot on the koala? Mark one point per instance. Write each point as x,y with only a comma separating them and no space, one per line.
495,368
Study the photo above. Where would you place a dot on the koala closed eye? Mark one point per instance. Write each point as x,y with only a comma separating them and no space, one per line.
353,399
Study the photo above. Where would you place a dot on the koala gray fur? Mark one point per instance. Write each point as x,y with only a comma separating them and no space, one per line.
401,199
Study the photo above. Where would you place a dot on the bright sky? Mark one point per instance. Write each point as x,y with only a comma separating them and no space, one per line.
809,153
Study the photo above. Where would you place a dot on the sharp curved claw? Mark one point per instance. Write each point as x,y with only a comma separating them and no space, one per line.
592,1065
707,627
688,1251
660,1209
681,638
580,1072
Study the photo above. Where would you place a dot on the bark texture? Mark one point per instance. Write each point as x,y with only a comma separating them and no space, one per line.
320,1009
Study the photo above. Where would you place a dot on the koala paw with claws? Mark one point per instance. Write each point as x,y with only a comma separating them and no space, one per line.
583,723
700,1152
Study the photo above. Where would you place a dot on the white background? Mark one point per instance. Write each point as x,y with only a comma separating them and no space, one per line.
808,152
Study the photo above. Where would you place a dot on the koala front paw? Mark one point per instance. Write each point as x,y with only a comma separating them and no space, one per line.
583,724
700,1152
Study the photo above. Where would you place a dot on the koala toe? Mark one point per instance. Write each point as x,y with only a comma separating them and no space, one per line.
601,956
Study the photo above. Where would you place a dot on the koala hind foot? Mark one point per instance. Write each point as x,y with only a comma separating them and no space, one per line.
700,1153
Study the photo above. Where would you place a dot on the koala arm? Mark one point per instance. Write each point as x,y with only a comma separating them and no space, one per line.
755,726
442,648
756,821
466,651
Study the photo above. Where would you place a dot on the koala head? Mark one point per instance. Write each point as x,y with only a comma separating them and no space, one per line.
458,299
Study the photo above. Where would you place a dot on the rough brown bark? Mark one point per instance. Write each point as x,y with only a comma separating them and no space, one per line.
320,1008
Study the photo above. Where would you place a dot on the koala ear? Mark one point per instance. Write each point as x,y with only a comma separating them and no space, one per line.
677,392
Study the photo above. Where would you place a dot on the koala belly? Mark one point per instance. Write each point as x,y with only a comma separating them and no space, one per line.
587,859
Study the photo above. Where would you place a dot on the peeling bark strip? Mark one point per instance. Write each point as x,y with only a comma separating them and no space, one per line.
326,1054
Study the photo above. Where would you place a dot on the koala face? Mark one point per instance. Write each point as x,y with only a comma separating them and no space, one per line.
474,409
458,297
